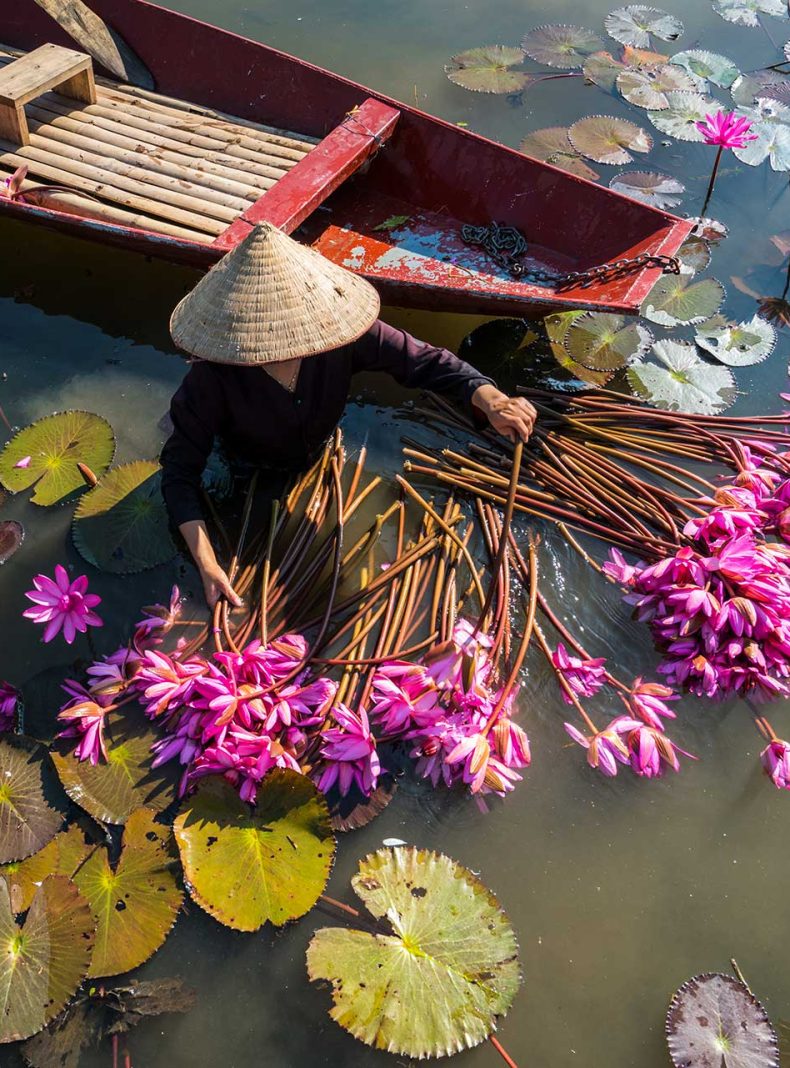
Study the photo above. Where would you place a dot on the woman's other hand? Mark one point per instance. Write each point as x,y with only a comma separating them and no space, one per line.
512,417
216,583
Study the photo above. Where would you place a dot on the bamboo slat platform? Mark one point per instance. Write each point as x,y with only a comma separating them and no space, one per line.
147,160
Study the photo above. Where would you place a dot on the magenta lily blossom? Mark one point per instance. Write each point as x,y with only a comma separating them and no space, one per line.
726,130
85,720
775,759
584,677
62,605
348,753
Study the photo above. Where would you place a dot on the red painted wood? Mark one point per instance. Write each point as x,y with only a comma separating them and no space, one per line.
307,185
433,173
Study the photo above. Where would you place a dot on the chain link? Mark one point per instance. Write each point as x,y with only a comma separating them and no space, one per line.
505,244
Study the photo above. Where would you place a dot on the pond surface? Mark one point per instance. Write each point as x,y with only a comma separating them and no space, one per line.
619,890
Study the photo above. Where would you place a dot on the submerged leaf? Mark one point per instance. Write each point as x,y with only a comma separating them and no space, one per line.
561,46
249,867
683,112
636,24
12,534
602,69
747,12
603,342
27,821
738,344
715,1020
45,961
648,87
676,300
61,856
708,65
488,69
111,791
135,902
55,445
121,525
606,139
649,187
551,145
678,380
694,255
437,984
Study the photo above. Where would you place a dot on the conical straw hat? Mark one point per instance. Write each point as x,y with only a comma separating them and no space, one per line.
272,299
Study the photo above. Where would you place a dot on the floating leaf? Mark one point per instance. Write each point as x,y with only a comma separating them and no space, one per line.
552,146
603,342
641,57
61,856
675,300
683,112
134,903
247,867
437,984
648,88
557,327
27,822
55,445
779,91
678,380
487,70
561,46
602,69
708,65
110,791
605,139
694,255
649,187
715,1020
738,344
636,24
12,534
772,143
747,12
748,87
46,960
711,230
350,813
121,525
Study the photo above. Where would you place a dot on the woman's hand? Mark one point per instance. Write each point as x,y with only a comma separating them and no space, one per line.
512,417
216,584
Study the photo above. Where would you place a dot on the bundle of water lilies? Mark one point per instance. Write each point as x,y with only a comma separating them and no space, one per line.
352,651
700,503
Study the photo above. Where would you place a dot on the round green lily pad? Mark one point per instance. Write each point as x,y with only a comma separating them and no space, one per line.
489,69
647,87
676,300
551,145
557,326
435,985
561,46
110,791
708,65
636,24
45,960
738,344
27,820
677,379
608,139
61,856
247,868
121,525
681,113
601,341
50,450
135,902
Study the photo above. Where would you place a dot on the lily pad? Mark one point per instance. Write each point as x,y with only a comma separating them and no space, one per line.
747,12
738,344
607,139
45,960
136,901
27,820
772,143
489,69
121,525
111,791
602,69
715,1020
678,380
55,445
708,65
350,813
684,110
710,230
12,534
603,342
437,984
694,255
557,327
649,187
61,856
779,91
648,87
637,25
676,300
551,145
561,46
246,868
748,87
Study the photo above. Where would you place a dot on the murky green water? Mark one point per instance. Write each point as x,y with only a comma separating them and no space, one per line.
619,890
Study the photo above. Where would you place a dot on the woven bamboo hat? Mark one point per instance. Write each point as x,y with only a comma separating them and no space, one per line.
272,299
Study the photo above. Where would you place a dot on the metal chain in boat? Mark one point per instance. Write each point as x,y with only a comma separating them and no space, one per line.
505,245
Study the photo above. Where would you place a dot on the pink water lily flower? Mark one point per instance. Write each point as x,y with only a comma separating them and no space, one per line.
605,749
348,753
647,701
85,720
776,761
584,677
9,698
727,129
62,605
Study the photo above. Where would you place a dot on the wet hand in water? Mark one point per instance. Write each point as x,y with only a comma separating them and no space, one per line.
216,584
512,417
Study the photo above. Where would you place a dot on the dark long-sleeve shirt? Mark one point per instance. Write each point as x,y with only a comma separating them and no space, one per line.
260,421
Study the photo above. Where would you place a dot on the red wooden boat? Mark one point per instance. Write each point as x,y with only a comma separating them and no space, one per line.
375,185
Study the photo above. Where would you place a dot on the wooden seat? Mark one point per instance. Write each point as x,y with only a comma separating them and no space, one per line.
47,67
